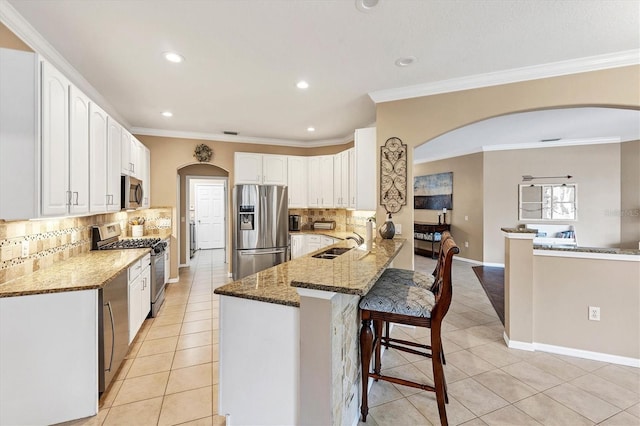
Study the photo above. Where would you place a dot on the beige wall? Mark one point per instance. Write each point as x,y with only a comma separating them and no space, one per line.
630,194
563,290
168,155
10,41
595,170
419,120
467,201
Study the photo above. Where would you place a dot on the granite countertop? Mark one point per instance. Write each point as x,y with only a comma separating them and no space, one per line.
597,250
88,271
353,272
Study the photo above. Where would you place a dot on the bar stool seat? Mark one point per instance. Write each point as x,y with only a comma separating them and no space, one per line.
396,297
408,277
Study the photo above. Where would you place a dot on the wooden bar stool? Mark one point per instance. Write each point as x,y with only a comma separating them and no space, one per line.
394,301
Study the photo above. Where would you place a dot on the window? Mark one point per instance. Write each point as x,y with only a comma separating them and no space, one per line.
548,202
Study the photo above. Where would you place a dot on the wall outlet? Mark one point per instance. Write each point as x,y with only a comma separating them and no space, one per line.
398,229
466,217
466,244
25,248
594,313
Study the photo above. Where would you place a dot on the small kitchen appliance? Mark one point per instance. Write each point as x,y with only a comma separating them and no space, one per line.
130,193
294,222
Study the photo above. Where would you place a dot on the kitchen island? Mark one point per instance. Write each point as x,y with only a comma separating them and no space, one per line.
289,338
49,338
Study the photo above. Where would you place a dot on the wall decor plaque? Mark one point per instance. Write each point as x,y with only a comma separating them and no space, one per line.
393,175
203,153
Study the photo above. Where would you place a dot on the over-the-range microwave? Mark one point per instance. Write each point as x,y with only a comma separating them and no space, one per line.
130,192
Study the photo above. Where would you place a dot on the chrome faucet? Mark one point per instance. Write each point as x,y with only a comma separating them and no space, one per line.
357,238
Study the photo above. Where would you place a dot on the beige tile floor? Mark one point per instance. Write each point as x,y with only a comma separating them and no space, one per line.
171,373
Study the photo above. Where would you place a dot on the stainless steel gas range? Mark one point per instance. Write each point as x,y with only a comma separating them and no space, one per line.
108,237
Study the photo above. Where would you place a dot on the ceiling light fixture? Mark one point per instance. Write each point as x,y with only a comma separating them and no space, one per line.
167,114
311,129
367,5
406,61
302,85
173,57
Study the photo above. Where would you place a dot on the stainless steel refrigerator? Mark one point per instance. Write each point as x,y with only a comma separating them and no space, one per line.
260,229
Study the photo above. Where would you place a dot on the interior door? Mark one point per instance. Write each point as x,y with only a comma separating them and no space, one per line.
210,211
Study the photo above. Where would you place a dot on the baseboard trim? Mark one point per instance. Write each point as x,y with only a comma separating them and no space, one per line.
577,353
493,265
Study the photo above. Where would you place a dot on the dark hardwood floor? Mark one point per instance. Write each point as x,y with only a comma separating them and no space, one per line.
492,281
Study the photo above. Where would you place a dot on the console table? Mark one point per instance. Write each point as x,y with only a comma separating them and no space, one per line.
423,231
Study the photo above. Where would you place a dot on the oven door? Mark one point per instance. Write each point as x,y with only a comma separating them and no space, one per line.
157,282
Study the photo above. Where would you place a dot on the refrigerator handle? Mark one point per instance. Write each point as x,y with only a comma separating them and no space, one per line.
261,252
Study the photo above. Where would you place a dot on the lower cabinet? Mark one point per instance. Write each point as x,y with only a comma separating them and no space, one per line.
302,244
139,294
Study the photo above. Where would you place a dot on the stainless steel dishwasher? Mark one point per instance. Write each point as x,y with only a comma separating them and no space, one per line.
113,328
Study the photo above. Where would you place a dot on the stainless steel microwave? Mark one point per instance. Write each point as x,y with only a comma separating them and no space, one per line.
130,192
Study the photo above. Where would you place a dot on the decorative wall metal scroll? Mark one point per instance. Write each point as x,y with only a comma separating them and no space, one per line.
393,175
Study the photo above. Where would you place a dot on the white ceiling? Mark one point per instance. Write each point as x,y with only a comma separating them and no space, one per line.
244,57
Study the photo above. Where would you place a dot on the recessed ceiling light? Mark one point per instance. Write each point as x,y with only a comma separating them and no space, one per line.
167,114
311,129
173,57
406,61
302,85
367,5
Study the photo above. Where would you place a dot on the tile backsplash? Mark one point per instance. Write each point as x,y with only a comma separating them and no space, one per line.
57,239
346,220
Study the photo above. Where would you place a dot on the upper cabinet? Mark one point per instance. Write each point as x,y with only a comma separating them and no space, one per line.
131,156
114,136
19,161
320,175
261,169
146,177
341,179
78,151
98,159
297,181
365,168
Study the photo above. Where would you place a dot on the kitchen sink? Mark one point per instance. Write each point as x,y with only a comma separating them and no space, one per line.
331,253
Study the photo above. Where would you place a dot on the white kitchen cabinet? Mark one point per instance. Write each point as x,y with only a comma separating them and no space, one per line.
78,151
19,144
145,167
365,170
341,179
261,169
313,191
131,155
297,246
55,142
126,166
314,242
352,178
114,133
65,145
139,293
327,241
326,181
297,181
98,197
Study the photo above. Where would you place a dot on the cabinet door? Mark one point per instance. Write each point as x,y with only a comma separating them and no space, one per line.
79,151
365,151
125,153
135,299
297,181
314,182
326,181
55,142
247,168
314,242
327,241
114,134
145,295
352,178
136,158
297,246
98,198
337,179
146,177
274,169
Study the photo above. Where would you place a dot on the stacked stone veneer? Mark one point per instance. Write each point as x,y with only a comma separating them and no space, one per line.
57,239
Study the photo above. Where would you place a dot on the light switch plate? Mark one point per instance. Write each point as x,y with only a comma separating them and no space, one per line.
398,229
25,248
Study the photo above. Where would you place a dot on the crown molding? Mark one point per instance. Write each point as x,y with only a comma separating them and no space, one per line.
23,29
518,146
515,75
237,139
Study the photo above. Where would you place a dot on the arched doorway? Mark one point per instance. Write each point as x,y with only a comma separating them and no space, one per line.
203,209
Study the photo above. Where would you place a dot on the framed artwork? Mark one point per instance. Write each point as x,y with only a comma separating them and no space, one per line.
433,192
